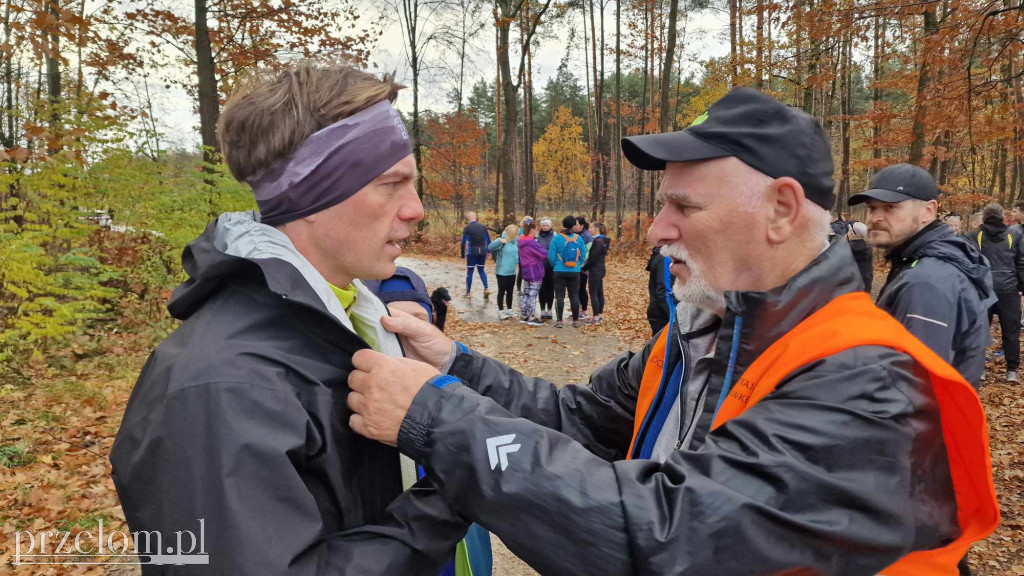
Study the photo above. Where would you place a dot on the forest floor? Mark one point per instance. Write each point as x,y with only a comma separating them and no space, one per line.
56,431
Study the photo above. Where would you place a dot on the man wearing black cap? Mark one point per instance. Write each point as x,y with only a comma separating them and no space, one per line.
780,424
1002,249
938,287
237,428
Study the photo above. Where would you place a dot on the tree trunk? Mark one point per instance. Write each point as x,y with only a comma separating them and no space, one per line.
505,15
509,120
1001,179
463,40
643,124
209,105
498,156
417,154
812,64
666,74
10,133
844,125
653,88
53,76
931,27
876,93
602,197
596,161
739,33
759,47
81,46
618,121
591,131
530,192
733,54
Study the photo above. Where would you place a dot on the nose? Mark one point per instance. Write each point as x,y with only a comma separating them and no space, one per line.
411,209
875,216
663,231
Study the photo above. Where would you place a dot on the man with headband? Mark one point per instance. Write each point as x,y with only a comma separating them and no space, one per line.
239,419
780,423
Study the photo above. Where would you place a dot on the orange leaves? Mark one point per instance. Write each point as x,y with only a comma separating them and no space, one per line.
16,154
454,148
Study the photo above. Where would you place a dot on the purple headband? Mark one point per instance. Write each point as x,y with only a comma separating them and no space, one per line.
331,165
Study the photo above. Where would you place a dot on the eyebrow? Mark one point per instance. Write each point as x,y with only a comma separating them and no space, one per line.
397,173
679,196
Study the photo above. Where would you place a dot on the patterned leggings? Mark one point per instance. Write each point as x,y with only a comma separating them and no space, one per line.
528,300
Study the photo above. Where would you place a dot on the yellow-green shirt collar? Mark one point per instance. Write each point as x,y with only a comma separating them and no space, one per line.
346,295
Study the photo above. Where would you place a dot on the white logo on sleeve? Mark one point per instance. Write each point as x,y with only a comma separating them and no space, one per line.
498,449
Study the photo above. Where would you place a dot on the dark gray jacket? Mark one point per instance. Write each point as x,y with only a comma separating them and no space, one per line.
841,471
940,289
240,418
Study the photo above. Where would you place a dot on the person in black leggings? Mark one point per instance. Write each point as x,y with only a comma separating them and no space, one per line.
567,272
583,229
595,271
546,298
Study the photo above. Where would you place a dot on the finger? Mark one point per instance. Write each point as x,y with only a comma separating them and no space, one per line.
404,324
358,425
358,380
412,308
366,359
356,401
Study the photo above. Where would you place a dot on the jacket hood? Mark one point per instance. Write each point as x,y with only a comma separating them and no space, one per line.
995,231
655,255
938,241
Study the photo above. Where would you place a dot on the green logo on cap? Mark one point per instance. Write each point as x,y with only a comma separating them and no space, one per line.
700,120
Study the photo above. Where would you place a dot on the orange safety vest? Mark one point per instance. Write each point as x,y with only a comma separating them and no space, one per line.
846,322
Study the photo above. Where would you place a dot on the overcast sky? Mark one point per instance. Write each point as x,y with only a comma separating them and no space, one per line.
704,38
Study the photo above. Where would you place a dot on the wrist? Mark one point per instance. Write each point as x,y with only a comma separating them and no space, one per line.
457,348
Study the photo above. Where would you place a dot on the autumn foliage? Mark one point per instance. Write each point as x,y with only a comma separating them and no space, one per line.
561,159
454,149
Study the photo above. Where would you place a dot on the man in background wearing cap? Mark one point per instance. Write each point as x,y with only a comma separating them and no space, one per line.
780,423
938,287
995,241
239,417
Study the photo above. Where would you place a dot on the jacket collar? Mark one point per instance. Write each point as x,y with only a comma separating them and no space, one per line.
911,247
767,316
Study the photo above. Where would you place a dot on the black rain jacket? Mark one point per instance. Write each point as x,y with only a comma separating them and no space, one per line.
240,418
657,305
841,471
940,289
1006,261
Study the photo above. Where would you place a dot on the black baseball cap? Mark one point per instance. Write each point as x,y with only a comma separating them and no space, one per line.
897,183
765,134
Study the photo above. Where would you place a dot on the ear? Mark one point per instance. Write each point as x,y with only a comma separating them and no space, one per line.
785,209
931,210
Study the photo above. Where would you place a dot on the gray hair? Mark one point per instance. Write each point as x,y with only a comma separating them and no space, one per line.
820,220
751,197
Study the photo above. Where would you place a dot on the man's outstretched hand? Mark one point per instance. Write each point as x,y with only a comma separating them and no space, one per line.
421,340
382,391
